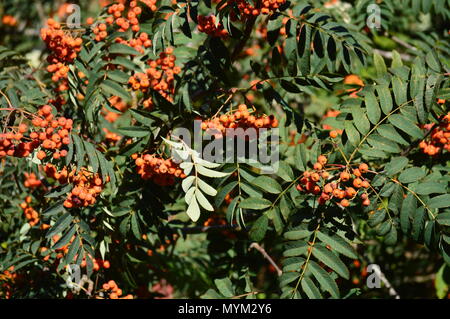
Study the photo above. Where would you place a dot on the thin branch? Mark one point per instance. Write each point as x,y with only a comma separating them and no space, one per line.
403,43
266,255
389,55
245,295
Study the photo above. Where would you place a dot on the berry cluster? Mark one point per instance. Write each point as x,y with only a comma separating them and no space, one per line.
160,76
9,20
139,43
263,32
60,252
30,213
49,133
11,144
31,181
8,278
342,186
97,263
53,135
87,185
358,272
242,118
260,7
208,26
64,50
117,15
439,137
125,18
114,291
162,171
100,32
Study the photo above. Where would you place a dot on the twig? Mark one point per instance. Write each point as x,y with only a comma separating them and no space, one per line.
383,278
264,253
245,295
403,43
389,55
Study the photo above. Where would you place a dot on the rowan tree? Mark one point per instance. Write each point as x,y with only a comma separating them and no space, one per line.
93,176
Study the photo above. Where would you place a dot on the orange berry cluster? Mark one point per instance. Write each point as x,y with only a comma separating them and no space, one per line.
54,134
8,278
242,118
30,214
160,76
341,186
126,17
98,263
162,171
9,20
262,7
208,26
117,12
31,181
87,185
11,144
439,138
49,133
139,43
60,252
100,32
114,291
262,28
64,50
361,272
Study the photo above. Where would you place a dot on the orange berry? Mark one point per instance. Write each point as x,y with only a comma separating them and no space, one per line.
357,182
242,107
41,155
363,167
357,172
344,203
344,176
322,159
318,166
